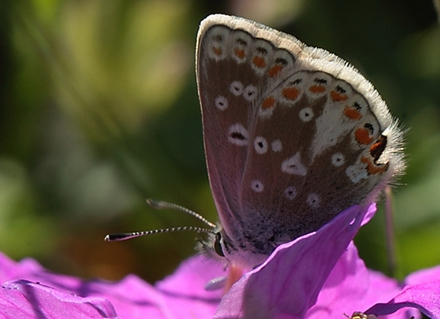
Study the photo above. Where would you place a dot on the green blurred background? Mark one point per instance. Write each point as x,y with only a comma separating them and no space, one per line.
99,111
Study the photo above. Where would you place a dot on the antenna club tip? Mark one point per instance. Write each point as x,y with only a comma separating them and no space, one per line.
117,237
153,203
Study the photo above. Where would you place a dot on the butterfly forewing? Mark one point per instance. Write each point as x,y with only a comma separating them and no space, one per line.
291,136
228,88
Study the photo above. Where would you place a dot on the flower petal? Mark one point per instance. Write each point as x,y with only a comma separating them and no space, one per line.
423,276
183,293
424,297
351,287
179,296
288,283
25,299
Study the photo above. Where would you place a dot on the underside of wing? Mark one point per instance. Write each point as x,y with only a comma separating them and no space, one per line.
293,135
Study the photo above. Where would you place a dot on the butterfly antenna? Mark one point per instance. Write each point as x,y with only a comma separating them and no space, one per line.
162,205
126,236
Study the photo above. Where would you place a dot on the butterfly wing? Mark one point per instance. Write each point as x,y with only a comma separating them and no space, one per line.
293,135
227,87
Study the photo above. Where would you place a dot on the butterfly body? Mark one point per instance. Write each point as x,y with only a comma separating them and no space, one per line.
293,135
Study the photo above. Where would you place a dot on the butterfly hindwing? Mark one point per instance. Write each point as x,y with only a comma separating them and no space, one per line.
293,134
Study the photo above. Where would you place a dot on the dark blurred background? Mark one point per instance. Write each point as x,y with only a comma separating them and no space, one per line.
99,111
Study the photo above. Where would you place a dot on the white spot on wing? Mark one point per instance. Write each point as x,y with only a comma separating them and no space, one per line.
293,166
277,146
287,56
338,159
250,93
317,84
306,114
342,87
236,88
290,192
313,200
265,113
240,42
295,81
216,43
257,186
332,125
260,145
356,173
238,135
221,103
261,50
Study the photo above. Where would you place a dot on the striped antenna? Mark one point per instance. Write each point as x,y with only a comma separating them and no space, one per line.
162,205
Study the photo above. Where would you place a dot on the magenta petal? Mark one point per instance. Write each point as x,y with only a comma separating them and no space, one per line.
10,269
178,296
423,276
369,214
130,297
288,283
25,299
351,287
422,293
183,293
191,277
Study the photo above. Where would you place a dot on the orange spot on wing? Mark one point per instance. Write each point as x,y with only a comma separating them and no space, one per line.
239,53
352,113
338,96
291,93
362,135
268,103
317,89
259,62
275,70
217,51
373,168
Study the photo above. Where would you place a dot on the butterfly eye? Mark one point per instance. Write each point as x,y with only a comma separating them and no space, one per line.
218,246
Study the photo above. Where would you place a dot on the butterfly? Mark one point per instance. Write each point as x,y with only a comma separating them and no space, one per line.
293,136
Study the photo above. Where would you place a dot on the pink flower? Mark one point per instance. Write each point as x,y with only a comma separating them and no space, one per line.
319,275
30,291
